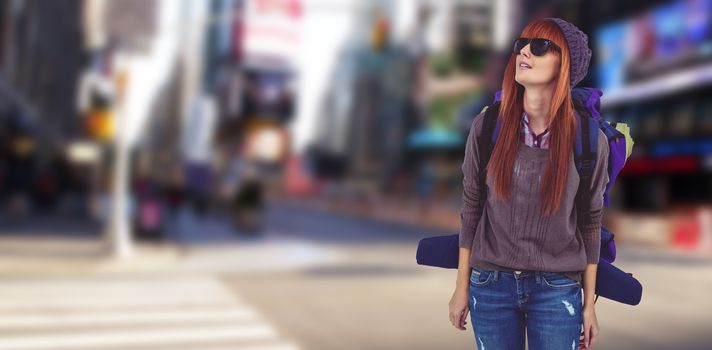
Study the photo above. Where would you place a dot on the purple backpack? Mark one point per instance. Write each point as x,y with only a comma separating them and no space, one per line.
587,106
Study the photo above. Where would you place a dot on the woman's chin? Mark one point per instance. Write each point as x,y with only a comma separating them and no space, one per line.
524,81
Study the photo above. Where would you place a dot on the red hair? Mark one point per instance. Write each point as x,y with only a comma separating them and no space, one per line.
561,121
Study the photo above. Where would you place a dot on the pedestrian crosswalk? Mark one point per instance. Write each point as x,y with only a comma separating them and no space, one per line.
181,313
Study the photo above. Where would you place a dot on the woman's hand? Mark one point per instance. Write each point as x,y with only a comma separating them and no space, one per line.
459,307
590,327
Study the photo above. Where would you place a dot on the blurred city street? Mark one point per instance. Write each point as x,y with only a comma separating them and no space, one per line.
313,280
259,174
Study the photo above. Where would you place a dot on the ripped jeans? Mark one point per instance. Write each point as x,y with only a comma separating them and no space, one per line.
503,304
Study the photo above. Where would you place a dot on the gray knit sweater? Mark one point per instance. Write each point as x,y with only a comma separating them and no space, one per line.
513,234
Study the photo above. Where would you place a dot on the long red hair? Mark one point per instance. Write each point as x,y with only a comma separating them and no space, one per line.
562,124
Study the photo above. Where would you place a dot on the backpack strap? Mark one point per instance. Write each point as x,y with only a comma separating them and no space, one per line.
486,140
585,158
489,126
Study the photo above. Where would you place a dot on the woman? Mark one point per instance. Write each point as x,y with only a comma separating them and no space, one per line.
524,260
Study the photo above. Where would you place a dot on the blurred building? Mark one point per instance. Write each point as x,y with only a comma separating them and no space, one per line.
41,55
656,73
387,114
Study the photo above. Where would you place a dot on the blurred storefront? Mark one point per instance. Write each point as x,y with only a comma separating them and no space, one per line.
653,61
41,56
654,67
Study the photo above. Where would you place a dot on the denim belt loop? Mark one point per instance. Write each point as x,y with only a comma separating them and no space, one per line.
538,277
496,275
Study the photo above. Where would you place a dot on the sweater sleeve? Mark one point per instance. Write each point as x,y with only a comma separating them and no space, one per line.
470,213
592,231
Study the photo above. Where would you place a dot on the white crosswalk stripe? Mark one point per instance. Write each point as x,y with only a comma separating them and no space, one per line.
196,313
100,318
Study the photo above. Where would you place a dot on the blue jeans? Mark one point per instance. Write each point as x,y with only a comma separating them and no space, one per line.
503,304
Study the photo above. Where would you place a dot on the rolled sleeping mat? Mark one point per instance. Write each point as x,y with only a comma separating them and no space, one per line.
615,284
608,246
442,251
611,282
439,251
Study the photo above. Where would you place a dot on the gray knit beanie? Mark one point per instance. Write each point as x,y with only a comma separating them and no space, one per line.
579,52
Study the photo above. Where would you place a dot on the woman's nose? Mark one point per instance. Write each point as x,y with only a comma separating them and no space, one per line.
525,51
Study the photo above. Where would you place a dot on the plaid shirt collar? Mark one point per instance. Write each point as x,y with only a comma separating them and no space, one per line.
530,138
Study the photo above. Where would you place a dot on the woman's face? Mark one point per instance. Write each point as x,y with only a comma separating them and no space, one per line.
544,69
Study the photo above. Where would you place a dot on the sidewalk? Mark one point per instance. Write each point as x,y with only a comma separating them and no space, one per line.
60,256
437,215
678,232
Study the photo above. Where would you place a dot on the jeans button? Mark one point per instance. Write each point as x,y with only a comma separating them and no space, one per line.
518,272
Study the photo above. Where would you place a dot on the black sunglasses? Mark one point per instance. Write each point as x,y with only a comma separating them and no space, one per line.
539,46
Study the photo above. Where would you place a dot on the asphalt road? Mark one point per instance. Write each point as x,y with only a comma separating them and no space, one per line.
376,297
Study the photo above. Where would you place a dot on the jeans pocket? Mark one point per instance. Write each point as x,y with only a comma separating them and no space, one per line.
480,277
559,280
